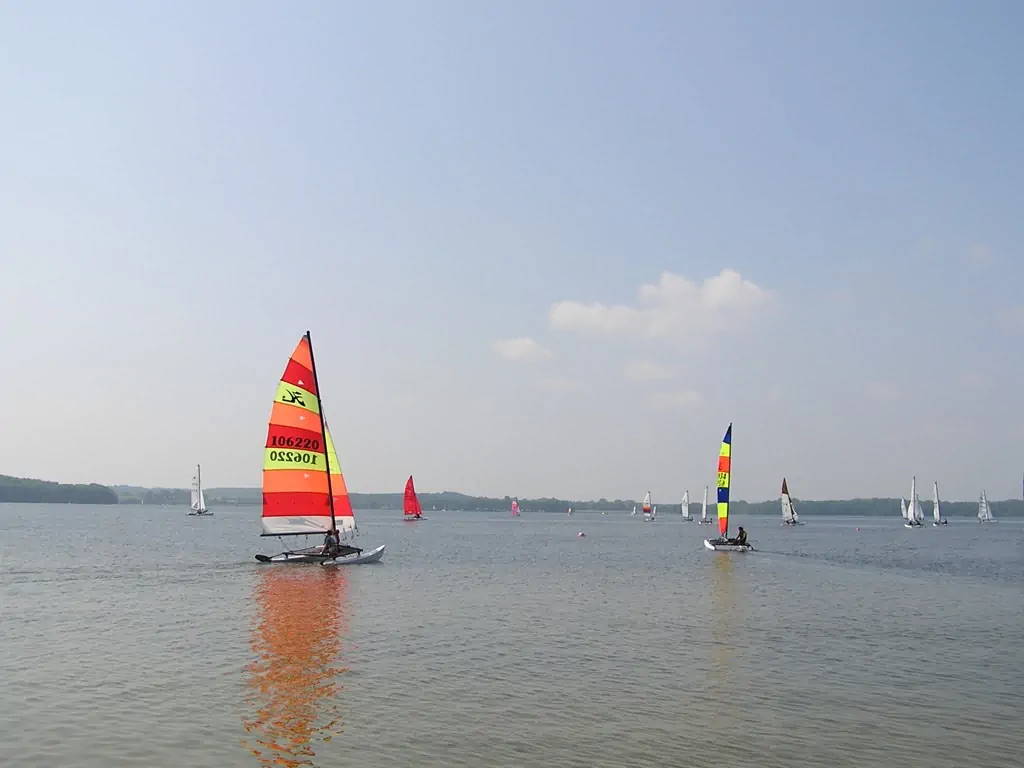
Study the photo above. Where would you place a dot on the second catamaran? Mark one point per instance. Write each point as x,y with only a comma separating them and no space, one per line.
723,543
685,507
789,515
197,507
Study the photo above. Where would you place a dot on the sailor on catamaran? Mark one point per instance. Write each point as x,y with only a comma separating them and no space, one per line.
741,537
332,543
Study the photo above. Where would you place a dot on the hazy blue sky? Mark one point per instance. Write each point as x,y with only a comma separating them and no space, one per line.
543,247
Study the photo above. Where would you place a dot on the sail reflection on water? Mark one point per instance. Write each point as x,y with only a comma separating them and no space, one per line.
293,682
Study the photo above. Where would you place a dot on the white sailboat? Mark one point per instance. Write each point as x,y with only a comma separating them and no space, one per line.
984,510
685,507
704,509
936,513
633,513
197,506
915,512
903,508
789,515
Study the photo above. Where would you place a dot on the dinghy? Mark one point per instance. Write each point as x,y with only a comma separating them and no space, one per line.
411,509
304,492
684,507
936,514
723,543
646,508
704,520
915,512
984,510
789,515
198,502
515,507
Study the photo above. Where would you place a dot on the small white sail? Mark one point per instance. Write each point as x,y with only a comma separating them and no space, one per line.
685,506
903,508
984,510
915,512
633,513
936,514
789,515
198,503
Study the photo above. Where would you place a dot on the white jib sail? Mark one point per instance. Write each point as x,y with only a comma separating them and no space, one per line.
788,510
935,503
984,511
903,508
198,502
685,507
704,506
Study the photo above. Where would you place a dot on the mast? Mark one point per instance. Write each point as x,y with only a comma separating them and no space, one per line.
323,431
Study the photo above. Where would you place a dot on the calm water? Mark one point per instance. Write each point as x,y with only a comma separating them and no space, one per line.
142,637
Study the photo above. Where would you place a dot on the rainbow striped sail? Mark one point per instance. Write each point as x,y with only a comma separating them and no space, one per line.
303,489
724,478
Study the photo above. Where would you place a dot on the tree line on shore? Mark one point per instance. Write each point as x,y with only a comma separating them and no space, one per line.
15,489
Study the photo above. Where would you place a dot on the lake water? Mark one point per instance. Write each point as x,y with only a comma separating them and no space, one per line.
138,636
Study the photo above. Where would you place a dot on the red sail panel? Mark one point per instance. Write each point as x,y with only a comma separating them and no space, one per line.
411,504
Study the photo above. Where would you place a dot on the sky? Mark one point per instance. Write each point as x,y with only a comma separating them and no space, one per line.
544,248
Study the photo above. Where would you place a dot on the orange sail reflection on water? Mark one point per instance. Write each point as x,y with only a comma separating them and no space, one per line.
294,682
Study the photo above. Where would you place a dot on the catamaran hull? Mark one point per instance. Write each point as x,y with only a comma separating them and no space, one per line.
361,559
727,547
912,525
790,525
413,519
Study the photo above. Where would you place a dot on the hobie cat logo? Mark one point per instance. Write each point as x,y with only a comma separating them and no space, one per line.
293,396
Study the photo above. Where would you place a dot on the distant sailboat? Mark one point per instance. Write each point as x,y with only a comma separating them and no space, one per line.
685,507
789,515
903,508
723,542
304,491
915,513
647,509
704,509
936,514
515,507
568,512
198,503
411,509
984,510
633,513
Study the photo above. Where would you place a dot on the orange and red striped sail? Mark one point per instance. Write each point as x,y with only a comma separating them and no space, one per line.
411,504
724,479
297,456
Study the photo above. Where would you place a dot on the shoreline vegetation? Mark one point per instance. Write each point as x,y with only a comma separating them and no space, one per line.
24,490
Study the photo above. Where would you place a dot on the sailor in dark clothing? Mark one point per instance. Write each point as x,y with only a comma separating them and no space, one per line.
332,544
741,537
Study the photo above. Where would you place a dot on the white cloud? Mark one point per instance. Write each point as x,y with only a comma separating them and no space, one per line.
559,384
645,370
672,308
1012,319
675,401
522,349
979,255
882,391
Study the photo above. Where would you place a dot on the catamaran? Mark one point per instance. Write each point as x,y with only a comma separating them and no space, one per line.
568,512
304,491
684,507
789,515
704,509
647,509
198,502
515,507
984,510
723,543
411,509
936,514
915,512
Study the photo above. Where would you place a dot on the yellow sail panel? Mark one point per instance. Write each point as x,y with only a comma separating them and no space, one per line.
292,394
345,520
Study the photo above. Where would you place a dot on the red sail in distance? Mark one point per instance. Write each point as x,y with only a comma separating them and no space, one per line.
411,505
